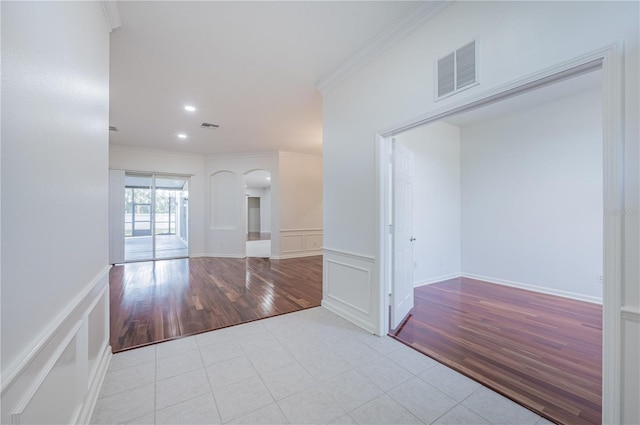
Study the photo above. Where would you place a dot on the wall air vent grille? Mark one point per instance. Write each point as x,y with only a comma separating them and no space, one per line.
209,126
457,70
113,128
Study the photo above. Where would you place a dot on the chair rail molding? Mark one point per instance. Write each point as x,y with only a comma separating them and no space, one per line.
58,378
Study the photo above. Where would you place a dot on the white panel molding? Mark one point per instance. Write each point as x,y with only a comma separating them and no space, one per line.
88,407
296,243
27,383
366,273
350,254
534,288
358,271
436,279
43,374
630,313
291,243
14,370
382,42
111,14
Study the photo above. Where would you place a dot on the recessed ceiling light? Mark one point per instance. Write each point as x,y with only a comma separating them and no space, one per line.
268,178
182,136
190,108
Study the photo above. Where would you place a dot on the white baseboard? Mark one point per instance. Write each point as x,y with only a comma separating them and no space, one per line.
94,388
296,255
436,279
218,255
535,288
58,378
335,308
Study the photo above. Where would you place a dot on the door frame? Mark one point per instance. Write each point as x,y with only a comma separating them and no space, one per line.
610,59
154,175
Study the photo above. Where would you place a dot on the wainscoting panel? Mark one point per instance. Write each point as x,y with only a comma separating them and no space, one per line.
292,243
299,243
630,413
348,287
59,378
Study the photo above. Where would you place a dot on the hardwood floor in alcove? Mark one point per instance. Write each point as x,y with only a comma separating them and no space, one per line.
157,301
542,351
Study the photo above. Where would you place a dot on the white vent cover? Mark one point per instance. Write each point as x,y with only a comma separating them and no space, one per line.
457,70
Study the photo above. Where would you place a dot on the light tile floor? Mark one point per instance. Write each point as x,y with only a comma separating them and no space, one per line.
308,367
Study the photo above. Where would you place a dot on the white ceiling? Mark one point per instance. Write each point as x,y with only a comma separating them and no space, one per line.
250,67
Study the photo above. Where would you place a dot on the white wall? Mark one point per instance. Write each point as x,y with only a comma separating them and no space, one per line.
532,198
132,159
265,210
436,201
55,110
300,207
516,39
230,241
265,206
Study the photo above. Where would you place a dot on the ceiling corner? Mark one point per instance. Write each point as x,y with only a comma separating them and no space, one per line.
382,42
111,14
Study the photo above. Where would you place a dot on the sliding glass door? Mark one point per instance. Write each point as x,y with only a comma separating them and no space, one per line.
156,217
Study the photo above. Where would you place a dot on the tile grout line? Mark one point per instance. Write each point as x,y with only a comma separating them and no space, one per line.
204,368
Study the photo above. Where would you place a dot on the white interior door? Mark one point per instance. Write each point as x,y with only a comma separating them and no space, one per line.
402,234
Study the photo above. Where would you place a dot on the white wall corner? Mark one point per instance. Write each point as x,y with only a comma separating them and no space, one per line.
111,14
382,42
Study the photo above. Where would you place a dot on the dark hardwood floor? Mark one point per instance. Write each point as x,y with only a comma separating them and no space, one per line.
160,300
542,351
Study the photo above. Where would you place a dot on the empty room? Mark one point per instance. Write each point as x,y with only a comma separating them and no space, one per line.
137,138
509,197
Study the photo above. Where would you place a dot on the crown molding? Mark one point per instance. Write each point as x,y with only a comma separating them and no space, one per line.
382,42
111,14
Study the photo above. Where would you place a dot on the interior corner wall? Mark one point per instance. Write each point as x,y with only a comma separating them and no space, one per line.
300,207
55,242
131,159
532,198
230,241
436,201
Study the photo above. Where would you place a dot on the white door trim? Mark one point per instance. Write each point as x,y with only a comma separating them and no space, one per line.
610,59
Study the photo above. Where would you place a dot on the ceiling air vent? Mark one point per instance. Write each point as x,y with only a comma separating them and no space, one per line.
209,126
457,70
